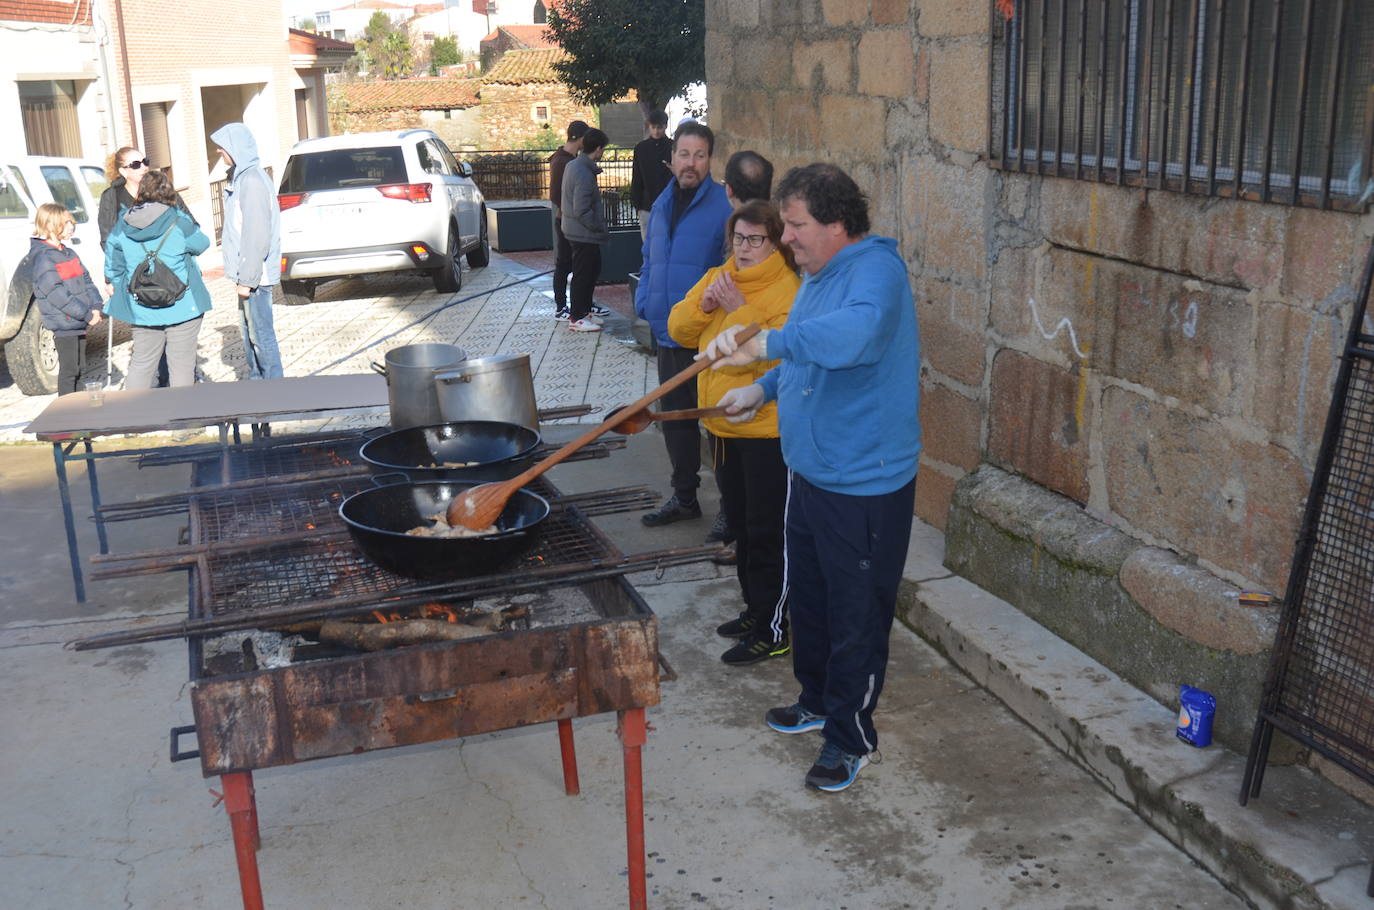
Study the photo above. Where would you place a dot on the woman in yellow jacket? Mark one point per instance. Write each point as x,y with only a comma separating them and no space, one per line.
756,285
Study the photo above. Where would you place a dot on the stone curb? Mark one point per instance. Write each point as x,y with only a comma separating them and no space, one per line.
1303,843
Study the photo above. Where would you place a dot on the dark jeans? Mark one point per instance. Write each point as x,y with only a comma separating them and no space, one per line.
682,437
71,361
562,263
586,268
753,493
844,564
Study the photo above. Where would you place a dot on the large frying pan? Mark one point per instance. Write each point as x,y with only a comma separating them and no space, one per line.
379,518
500,449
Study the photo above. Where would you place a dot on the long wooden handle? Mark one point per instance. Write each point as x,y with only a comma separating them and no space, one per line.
687,414
623,414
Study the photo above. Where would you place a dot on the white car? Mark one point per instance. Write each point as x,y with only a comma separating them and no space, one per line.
26,182
363,203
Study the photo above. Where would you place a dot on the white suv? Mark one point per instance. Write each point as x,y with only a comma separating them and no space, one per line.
378,202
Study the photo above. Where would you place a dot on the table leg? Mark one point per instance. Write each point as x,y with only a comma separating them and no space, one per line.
65,493
565,741
241,805
632,736
95,499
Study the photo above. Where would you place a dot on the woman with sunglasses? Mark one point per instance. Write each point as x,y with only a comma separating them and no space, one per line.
124,169
756,284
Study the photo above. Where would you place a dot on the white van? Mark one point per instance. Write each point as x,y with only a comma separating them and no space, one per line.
26,182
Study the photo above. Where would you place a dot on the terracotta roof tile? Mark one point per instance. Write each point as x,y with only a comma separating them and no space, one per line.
521,67
529,35
430,94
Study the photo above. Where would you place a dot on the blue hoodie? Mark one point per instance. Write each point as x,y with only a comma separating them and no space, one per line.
252,220
675,257
848,387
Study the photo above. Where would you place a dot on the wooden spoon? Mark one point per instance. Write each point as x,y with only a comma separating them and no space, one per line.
640,420
480,506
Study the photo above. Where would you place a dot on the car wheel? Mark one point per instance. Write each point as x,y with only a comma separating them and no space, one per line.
480,255
449,276
297,293
32,356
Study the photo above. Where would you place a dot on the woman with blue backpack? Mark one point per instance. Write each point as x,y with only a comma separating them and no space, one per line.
150,260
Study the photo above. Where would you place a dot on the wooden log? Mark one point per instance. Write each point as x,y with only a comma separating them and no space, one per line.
383,635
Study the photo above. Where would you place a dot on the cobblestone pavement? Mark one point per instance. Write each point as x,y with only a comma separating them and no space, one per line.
504,308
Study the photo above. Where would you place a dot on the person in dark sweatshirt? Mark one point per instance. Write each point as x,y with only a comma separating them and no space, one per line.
651,170
67,298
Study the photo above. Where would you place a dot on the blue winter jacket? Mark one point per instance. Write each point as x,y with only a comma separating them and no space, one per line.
64,290
252,220
848,387
137,233
676,258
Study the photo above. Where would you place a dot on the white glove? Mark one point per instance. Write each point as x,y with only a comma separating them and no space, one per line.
731,353
743,403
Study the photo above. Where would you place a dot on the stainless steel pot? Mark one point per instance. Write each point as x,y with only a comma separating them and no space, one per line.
499,387
410,390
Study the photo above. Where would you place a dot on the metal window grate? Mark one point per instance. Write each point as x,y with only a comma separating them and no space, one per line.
1257,99
1320,687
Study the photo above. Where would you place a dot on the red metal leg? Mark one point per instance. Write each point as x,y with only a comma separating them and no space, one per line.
243,820
632,736
565,741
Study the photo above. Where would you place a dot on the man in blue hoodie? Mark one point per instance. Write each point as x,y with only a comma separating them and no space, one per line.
848,413
686,237
252,246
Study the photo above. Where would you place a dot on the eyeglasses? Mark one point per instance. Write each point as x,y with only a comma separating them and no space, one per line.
137,163
754,240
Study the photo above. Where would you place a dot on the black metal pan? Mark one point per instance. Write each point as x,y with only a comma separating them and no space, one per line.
500,451
379,518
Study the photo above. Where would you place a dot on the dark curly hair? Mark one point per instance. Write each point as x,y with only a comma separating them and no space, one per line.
157,187
830,195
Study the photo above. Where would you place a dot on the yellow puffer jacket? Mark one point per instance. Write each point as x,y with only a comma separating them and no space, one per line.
768,289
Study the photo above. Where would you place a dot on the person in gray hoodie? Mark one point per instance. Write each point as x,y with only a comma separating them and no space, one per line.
584,224
252,246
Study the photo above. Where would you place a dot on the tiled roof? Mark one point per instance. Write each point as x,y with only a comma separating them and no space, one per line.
321,42
370,4
526,66
429,94
528,35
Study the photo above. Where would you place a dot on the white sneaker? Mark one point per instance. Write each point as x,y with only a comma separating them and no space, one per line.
583,325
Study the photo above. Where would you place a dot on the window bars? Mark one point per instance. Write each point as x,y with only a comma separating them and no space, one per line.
1320,685
1268,100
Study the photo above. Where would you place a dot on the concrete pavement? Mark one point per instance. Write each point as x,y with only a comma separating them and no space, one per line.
970,807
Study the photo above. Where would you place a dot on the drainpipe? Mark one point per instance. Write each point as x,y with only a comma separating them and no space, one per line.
102,34
124,60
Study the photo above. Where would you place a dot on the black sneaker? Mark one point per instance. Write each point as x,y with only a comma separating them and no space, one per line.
751,650
738,627
720,530
672,510
562,314
795,719
599,310
834,769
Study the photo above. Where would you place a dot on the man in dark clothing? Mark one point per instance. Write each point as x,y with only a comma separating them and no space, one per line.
748,175
652,169
584,224
562,262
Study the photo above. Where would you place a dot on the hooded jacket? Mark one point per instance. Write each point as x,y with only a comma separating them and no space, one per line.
115,201
848,387
137,234
583,219
252,222
64,290
768,289
676,256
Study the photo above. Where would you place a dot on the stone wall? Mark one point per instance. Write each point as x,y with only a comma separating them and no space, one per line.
1164,361
509,112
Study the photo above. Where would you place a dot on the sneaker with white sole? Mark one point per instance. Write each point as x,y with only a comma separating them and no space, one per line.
600,311
562,314
583,325
795,719
834,769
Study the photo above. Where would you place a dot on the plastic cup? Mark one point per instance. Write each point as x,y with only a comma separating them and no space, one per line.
96,392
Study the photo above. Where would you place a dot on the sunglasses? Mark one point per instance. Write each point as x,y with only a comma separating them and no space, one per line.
137,163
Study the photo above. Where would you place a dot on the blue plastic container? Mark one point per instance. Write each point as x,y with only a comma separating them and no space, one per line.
1195,712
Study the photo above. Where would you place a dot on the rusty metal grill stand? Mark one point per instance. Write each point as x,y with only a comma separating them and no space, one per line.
1320,685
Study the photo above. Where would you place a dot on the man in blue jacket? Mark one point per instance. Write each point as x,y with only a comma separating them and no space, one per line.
252,246
848,400
686,237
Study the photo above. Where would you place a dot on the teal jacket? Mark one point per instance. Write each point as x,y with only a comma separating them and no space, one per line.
848,387
137,233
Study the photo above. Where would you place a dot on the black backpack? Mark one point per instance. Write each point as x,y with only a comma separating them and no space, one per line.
152,283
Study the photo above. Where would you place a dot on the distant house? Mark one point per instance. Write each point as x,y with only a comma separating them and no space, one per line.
514,38
447,106
312,57
522,95
347,22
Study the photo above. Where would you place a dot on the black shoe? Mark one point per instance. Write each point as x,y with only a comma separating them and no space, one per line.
751,650
599,310
795,719
562,314
835,769
720,530
738,627
672,510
